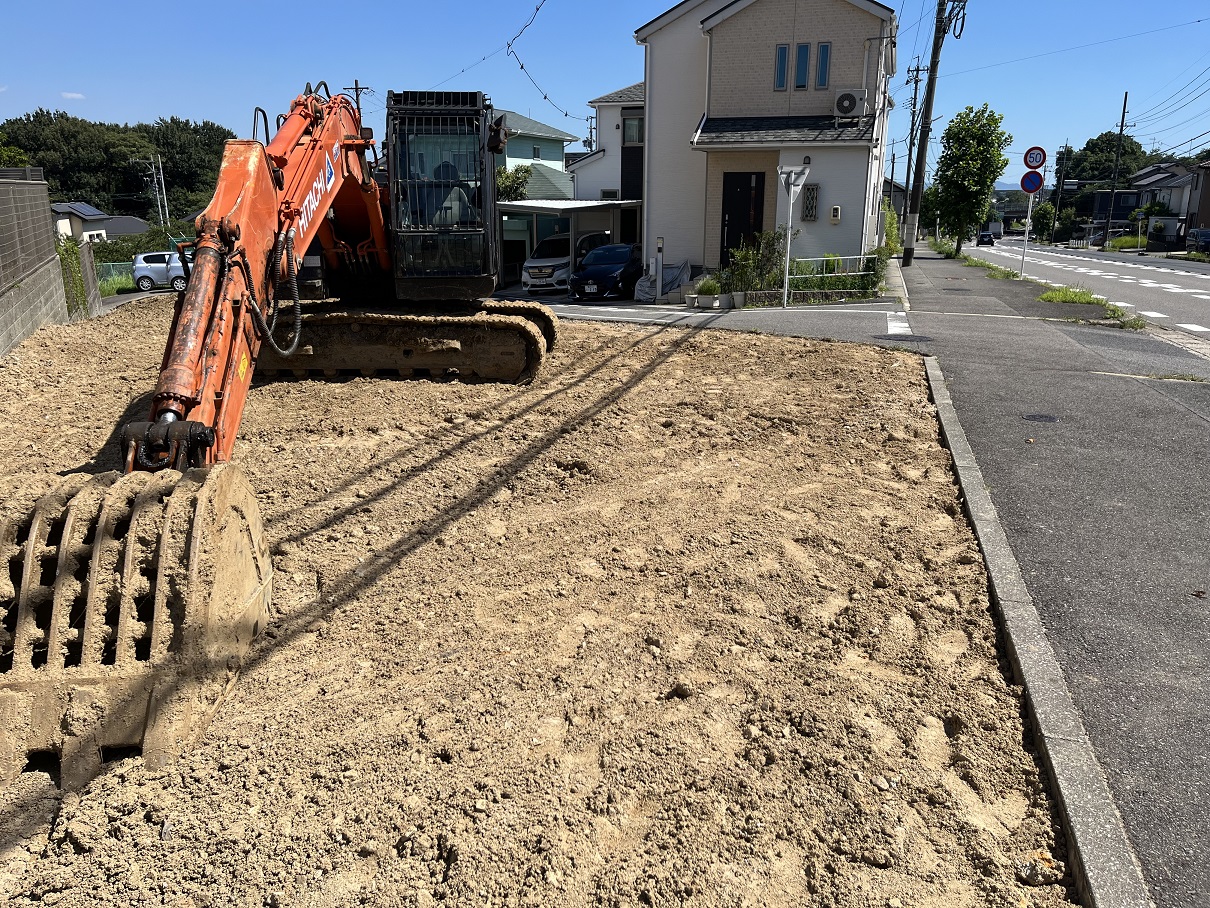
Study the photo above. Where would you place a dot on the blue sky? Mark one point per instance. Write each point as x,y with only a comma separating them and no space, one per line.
138,61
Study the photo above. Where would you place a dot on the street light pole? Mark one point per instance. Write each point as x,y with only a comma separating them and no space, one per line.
792,178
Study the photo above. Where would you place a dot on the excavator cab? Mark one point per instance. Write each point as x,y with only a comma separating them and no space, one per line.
442,194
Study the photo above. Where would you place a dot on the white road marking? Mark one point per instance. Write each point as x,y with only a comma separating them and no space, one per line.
1197,328
1153,314
897,323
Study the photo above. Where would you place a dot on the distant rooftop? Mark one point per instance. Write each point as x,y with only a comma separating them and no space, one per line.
631,94
82,210
519,123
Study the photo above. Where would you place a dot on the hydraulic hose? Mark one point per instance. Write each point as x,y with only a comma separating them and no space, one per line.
262,327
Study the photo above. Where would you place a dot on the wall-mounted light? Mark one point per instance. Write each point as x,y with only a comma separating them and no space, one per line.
617,125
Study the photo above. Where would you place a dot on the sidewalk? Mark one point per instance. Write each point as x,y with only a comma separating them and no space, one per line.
1095,465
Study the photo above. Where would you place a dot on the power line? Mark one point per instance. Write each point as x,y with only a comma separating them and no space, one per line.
1063,50
503,47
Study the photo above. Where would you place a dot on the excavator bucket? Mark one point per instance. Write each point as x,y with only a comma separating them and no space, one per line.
128,605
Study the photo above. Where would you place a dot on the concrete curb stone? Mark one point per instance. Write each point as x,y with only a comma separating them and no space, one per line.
1104,866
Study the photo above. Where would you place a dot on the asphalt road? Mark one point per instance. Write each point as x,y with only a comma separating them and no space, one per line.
1165,292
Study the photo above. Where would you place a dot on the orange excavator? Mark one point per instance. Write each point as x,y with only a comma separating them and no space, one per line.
130,598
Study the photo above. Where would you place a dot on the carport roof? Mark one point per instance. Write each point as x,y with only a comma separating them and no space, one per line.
724,132
564,206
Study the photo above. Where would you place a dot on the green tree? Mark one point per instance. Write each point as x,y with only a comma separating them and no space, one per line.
930,207
1066,226
972,159
107,164
11,155
892,241
1043,222
1095,160
510,184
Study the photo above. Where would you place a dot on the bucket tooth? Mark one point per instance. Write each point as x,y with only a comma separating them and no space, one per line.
137,599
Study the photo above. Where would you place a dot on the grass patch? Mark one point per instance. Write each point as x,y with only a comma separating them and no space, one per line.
1192,257
119,283
1071,295
1123,243
943,248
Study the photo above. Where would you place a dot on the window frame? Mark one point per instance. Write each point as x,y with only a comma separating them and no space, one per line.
781,67
802,61
641,120
810,202
537,153
823,65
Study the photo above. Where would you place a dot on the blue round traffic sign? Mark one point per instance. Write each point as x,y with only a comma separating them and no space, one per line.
1032,181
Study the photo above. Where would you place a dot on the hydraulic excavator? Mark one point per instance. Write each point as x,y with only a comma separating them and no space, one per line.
130,598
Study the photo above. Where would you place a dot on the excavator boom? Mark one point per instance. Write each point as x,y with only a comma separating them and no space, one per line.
129,599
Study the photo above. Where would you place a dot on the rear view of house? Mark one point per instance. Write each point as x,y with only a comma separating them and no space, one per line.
737,88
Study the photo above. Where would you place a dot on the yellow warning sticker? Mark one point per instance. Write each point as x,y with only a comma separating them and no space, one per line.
243,365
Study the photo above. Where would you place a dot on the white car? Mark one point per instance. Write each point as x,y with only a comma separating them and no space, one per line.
549,266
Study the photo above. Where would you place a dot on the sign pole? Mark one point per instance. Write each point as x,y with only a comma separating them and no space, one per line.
1029,212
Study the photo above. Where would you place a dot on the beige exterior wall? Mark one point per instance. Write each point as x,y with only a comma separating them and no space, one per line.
675,174
720,162
743,57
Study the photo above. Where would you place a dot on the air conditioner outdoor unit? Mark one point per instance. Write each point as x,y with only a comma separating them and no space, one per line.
850,103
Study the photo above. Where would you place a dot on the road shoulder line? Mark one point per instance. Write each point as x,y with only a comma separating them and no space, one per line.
1104,866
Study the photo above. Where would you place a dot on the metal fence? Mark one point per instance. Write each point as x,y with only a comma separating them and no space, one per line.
834,274
107,270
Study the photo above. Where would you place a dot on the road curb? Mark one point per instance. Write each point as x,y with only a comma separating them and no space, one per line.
1104,866
895,284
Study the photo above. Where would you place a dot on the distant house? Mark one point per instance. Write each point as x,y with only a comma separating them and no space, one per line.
614,167
531,142
894,192
84,223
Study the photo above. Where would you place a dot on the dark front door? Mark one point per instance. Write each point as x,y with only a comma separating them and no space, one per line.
743,210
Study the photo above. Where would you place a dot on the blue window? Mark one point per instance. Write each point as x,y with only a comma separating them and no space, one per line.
822,63
802,65
781,66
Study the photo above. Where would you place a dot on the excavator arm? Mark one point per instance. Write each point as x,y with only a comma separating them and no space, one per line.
270,203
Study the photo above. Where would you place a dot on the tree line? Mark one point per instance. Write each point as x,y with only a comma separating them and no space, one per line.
104,164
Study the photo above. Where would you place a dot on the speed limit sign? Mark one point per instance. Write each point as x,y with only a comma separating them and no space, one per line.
1035,157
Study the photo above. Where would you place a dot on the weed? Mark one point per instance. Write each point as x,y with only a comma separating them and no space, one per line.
116,284
1071,295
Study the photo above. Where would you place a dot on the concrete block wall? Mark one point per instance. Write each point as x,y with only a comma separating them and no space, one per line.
31,302
31,282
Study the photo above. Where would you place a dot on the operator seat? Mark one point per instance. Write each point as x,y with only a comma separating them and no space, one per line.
450,202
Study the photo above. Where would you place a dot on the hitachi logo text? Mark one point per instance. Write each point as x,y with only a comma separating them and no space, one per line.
311,202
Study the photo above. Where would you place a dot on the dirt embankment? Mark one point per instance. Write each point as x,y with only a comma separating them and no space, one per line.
694,619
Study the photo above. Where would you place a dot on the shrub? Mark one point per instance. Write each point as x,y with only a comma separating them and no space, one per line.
708,286
892,243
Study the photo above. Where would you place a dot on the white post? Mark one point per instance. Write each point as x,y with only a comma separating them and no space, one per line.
659,267
1029,213
792,178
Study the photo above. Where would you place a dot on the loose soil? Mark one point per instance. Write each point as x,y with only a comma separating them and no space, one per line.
694,619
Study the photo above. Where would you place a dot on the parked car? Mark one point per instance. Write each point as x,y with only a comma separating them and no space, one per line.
549,266
608,272
985,239
160,269
1198,240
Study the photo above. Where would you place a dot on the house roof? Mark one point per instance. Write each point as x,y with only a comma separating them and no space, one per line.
586,157
775,131
82,210
631,94
686,6
735,6
546,182
1172,181
124,225
525,126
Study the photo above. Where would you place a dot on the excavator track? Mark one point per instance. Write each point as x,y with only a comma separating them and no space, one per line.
483,346
128,605
544,320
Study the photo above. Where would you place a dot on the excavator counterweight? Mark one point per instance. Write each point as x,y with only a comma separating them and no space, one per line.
130,599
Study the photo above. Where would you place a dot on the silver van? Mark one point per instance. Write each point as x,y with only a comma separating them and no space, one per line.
160,269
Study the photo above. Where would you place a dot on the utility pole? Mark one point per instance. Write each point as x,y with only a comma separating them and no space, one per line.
1113,188
163,188
914,75
956,19
154,176
1061,165
357,88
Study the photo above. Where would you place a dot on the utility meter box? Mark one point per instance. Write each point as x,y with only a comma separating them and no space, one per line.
835,214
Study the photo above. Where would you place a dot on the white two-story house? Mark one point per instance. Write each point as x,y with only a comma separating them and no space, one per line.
736,88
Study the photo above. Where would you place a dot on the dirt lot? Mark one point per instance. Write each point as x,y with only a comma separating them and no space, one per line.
694,619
